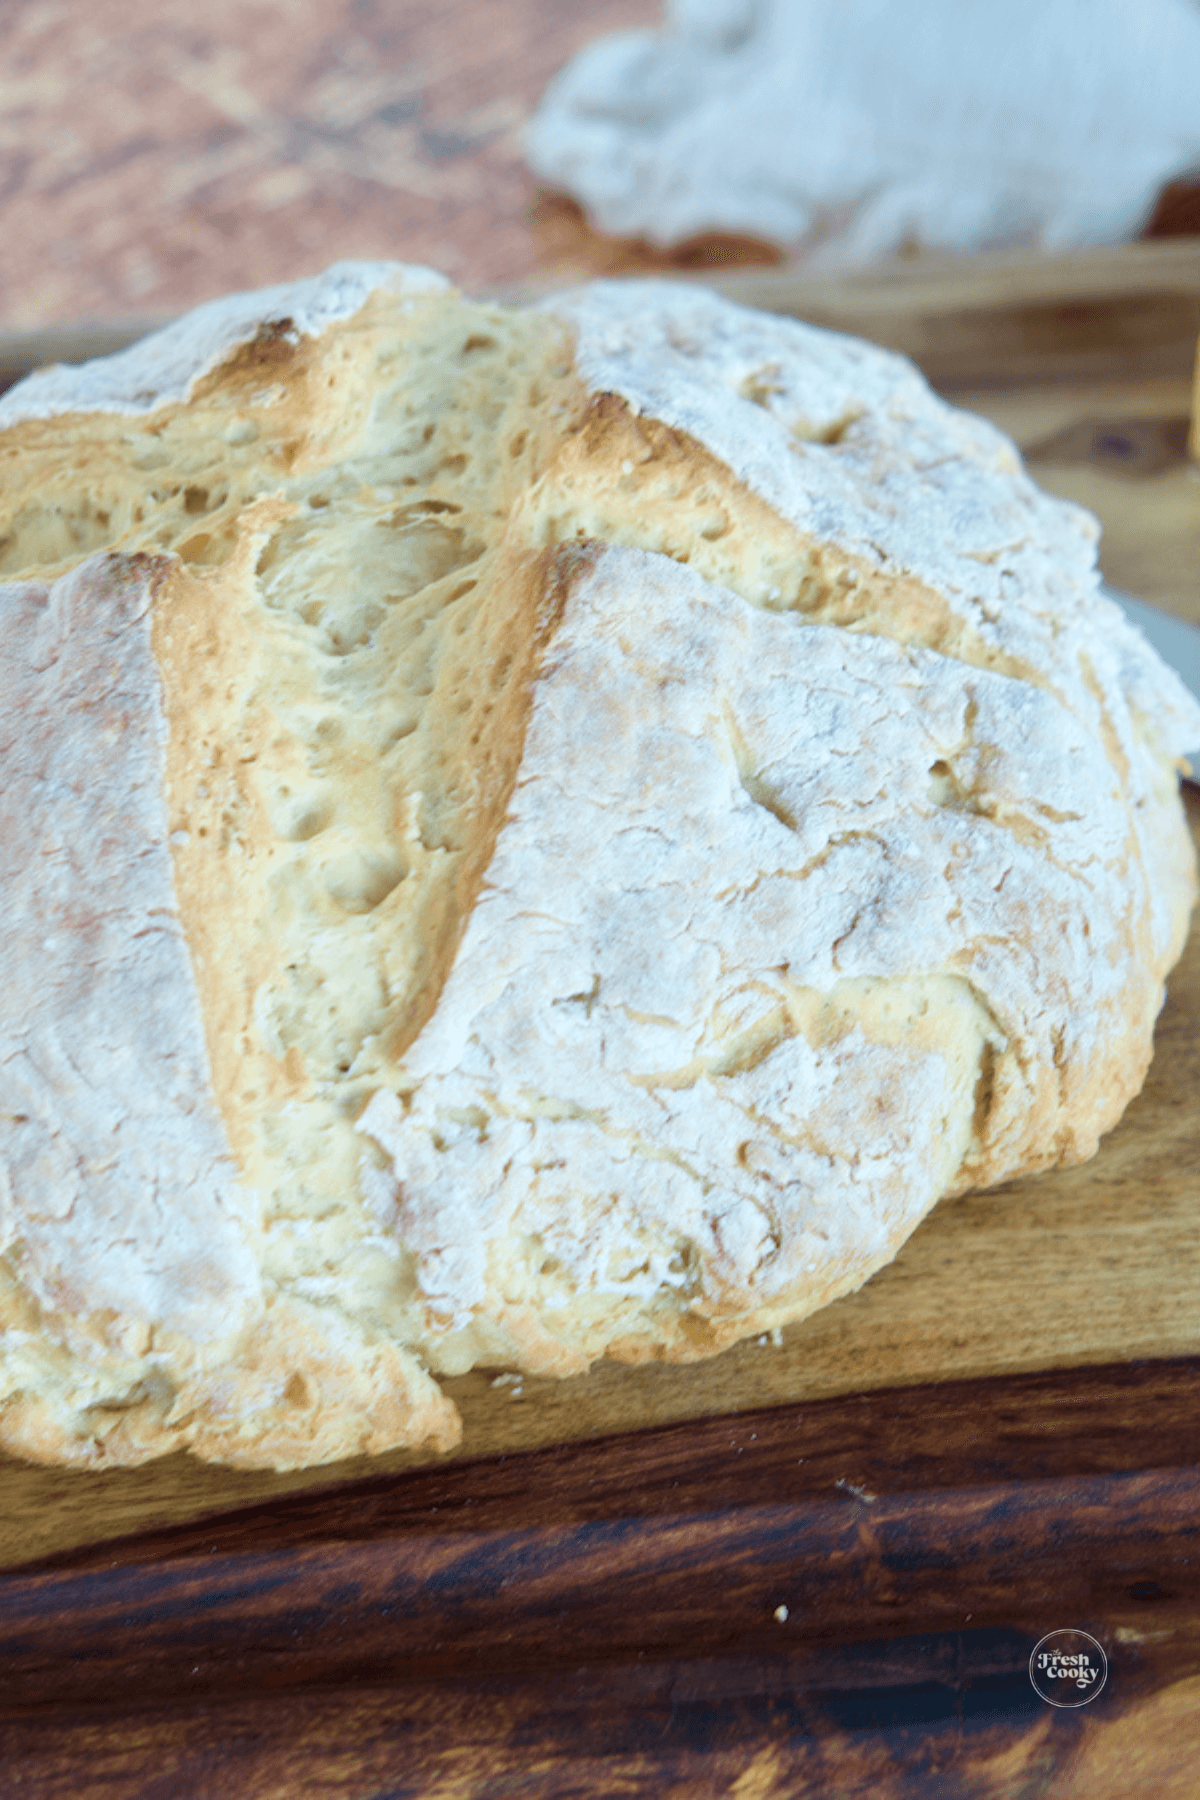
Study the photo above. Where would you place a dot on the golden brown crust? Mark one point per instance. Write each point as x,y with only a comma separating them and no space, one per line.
627,867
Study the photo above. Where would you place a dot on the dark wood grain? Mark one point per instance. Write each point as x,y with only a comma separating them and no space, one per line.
947,1718
1039,1502
609,1613
1074,1425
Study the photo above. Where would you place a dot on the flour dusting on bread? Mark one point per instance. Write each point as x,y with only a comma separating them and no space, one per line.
556,833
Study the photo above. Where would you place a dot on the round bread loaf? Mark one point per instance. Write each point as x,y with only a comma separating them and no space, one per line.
530,836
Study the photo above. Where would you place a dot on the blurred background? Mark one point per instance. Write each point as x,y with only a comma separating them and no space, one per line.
155,153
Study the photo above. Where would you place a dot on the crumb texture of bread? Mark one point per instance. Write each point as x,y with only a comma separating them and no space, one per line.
534,835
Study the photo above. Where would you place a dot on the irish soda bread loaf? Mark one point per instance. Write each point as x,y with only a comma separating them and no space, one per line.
528,836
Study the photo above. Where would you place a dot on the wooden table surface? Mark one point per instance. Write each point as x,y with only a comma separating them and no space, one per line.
998,1437
154,153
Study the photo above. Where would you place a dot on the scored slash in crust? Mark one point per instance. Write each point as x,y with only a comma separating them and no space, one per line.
531,835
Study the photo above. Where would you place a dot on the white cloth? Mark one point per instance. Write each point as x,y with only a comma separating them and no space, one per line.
849,129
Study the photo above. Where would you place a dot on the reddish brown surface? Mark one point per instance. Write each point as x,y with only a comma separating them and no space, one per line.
156,152
1178,211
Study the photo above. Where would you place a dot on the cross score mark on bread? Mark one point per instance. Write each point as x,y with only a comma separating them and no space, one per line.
531,835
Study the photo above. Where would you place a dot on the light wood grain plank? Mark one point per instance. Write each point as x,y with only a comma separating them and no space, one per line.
1128,311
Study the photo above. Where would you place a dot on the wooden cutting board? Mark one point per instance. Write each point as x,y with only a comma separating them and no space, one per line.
1041,1333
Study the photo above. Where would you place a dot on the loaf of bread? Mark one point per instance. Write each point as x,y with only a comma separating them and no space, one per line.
528,836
